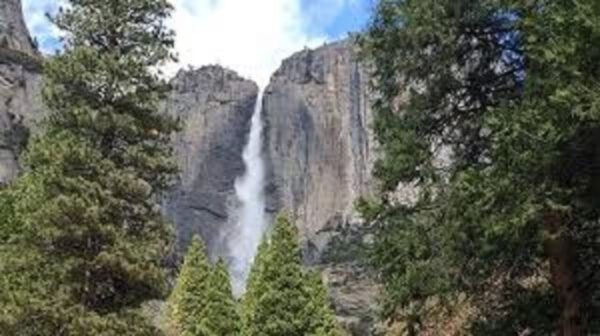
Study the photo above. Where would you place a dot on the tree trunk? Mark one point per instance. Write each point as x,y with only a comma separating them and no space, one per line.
559,249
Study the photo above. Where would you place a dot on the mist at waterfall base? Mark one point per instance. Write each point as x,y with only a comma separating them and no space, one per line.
251,221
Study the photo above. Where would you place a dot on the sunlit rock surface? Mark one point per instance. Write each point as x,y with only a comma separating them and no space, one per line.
320,155
20,87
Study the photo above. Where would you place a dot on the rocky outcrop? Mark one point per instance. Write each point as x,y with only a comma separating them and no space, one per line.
320,156
13,31
215,106
20,87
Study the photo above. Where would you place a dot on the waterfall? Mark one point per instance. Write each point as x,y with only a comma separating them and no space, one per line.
251,221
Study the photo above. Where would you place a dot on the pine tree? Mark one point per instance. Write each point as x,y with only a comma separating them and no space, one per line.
90,238
255,287
323,322
282,298
190,297
508,89
221,316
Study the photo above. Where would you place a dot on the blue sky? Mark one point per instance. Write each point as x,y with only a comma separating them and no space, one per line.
38,24
339,18
249,36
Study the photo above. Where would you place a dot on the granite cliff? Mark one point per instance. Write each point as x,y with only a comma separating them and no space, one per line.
20,87
320,153
14,35
215,106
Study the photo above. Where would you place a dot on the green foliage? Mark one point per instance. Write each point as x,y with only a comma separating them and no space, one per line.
202,302
323,322
189,299
279,310
83,238
255,288
106,86
221,316
508,92
7,213
283,299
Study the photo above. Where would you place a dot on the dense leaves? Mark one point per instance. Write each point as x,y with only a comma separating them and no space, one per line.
222,316
189,297
202,302
82,237
489,109
282,298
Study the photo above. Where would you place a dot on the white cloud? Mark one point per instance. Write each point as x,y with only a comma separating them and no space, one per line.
250,37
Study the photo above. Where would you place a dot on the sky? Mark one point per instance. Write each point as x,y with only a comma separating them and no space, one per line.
248,36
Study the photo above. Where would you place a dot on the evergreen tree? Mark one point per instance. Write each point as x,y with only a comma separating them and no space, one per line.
202,302
88,238
255,287
221,316
190,297
508,89
282,297
323,322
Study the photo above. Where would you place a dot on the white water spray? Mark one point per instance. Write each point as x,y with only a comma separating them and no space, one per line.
251,221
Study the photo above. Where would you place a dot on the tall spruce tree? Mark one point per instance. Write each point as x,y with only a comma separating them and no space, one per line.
202,303
221,316
89,239
508,88
283,298
255,288
322,318
190,297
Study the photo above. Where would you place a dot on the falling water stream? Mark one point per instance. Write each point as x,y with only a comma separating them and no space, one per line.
251,220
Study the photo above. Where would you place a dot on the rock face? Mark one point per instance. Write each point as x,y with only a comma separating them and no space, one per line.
13,32
20,86
320,155
215,106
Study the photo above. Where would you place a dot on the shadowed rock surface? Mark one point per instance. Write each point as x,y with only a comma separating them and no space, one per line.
20,87
320,155
215,106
